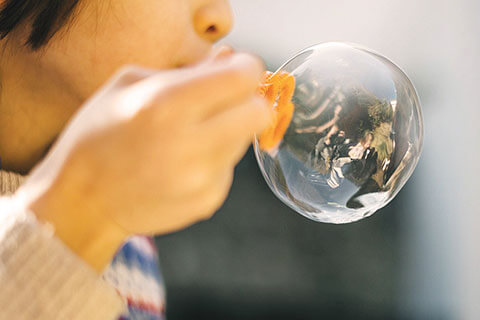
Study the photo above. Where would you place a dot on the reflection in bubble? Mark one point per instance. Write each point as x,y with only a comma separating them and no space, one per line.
354,139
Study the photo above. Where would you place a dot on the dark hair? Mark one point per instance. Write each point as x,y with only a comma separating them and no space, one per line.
46,17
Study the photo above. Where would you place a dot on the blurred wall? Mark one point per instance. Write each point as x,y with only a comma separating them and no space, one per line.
417,258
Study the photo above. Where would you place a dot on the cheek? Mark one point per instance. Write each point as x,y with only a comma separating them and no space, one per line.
150,33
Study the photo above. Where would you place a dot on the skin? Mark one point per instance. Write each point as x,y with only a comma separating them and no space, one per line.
102,37
153,150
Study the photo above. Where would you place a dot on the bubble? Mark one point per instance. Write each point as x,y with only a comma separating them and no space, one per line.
351,139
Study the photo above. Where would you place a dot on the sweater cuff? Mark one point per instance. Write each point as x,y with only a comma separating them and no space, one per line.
40,278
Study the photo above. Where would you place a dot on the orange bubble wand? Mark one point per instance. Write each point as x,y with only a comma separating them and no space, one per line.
278,89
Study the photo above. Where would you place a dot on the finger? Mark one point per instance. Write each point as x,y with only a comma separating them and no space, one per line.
194,207
214,195
217,53
130,74
202,203
119,85
232,153
233,129
195,171
222,51
203,91
220,142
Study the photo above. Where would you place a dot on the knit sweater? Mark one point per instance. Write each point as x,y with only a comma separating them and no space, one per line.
40,278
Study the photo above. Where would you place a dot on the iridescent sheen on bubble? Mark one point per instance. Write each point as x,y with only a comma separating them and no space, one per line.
354,139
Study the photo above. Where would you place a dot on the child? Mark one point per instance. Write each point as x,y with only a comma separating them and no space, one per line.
150,152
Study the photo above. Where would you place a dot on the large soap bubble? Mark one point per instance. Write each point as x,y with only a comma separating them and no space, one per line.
350,138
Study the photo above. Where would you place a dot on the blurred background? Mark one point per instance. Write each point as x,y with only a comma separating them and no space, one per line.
418,258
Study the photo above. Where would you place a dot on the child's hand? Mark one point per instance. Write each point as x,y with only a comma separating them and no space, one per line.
152,152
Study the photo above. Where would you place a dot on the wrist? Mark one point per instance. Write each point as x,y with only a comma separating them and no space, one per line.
92,236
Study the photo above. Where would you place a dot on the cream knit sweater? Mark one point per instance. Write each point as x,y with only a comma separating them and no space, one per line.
40,278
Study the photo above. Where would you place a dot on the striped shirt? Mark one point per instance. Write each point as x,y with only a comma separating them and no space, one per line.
135,274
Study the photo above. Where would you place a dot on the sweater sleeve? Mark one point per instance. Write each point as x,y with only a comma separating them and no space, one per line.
40,278
10,182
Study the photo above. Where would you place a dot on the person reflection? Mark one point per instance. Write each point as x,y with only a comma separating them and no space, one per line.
352,135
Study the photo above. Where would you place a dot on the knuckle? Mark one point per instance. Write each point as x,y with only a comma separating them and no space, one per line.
217,194
240,77
131,73
172,90
213,203
249,63
127,70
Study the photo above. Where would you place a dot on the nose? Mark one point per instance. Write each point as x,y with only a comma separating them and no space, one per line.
213,20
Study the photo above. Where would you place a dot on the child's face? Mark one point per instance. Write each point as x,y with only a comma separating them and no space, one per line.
106,35
44,88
